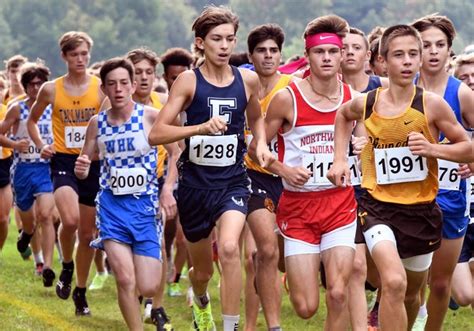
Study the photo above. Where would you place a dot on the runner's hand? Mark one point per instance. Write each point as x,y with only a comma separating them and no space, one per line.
22,145
82,166
264,156
339,174
47,151
296,176
215,125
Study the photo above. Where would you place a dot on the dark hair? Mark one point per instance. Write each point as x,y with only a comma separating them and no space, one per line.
211,17
177,56
143,53
30,71
396,31
328,24
436,21
264,32
360,33
114,63
237,59
374,50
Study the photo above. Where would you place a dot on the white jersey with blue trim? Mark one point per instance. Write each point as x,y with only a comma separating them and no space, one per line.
32,155
127,161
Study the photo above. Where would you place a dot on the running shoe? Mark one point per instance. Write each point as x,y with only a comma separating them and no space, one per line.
23,242
202,318
82,308
48,277
98,281
63,286
39,269
174,290
161,320
453,305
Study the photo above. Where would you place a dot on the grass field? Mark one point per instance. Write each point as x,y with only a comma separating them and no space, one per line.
26,305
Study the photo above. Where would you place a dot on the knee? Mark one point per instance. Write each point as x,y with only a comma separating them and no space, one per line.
305,309
44,216
268,254
85,236
395,286
69,226
440,286
202,276
228,251
149,289
464,299
336,296
125,280
359,270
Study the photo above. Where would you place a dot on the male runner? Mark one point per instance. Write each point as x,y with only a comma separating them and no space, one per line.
13,66
75,98
6,197
127,202
398,214
213,186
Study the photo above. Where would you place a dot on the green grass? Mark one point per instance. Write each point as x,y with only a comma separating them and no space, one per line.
26,305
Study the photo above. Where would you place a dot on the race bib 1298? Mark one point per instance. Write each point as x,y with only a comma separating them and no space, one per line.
217,151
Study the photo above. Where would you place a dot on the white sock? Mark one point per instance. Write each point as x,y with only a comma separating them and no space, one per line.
101,273
39,257
422,312
231,323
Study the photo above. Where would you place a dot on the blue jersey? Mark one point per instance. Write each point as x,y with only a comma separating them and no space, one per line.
127,161
374,82
453,203
32,155
215,161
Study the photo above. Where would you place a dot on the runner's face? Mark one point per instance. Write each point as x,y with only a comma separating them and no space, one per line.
119,88
266,58
33,87
77,59
403,60
14,76
355,53
435,50
325,60
145,77
171,73
466,74
378,67
218,44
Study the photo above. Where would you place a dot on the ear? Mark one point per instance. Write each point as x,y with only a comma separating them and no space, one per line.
249,57
134,87
199,42
367,56
102,88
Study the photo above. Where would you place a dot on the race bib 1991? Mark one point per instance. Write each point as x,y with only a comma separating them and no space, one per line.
399,165
217,151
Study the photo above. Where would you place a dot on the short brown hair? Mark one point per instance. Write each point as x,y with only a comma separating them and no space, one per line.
437,21
328,24
70,40
115,63
15,61
143,53
211,17
461,60
400,30
30,70
177,56
265,32
376,33
360,33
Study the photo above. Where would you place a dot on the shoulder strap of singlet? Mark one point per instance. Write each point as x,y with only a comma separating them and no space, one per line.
369,103
417,102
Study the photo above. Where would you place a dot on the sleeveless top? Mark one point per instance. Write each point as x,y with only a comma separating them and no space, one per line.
127,161
71,114
386,133
215,161
5,153
162,155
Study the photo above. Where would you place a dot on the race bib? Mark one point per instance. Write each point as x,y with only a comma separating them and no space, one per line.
399,165
448,175
217,151
127,180
74,136
319,165
32,153
272,146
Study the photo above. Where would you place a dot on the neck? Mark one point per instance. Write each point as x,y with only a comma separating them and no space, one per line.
15,90
218,73
400,94
358,80
430,81
122,113
267,83
77,78
146,100
329,86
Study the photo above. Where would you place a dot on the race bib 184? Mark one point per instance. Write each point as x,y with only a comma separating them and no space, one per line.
74,136
217,151
399,165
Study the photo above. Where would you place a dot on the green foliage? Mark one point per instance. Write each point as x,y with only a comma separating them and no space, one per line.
33,28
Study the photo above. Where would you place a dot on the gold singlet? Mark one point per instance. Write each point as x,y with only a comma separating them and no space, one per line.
162,155
390,132
71,114
4,152
264,103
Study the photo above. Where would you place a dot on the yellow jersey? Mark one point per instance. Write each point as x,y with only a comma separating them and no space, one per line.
71,114
4,152
392,132
162,155
284,81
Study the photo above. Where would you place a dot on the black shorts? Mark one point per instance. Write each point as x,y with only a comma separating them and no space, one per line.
5,165
417,228
199,209
62,174
467,251
266,191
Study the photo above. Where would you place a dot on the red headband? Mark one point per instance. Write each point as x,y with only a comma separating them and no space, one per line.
323,39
